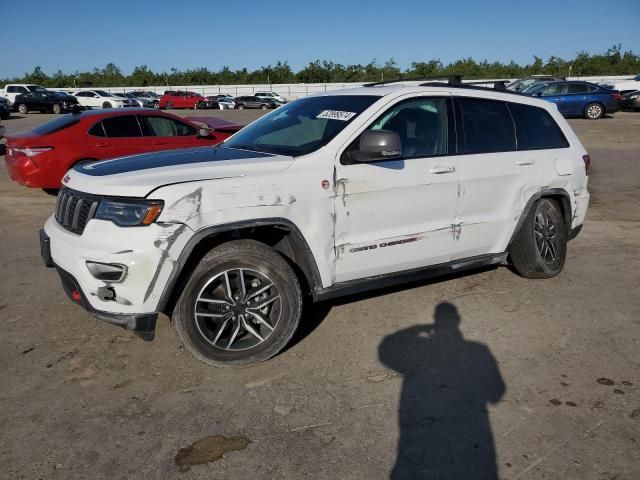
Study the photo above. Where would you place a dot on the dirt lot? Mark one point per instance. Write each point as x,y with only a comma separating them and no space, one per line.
537,379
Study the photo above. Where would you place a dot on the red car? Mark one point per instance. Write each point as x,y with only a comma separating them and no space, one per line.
183,99
40,157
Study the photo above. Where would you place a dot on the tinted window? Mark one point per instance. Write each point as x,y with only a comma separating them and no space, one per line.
56,125
487,125
536,129
156,126
97,130
124,126
421,124
578,88
12,89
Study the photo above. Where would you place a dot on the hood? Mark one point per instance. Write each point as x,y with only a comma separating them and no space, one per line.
138,175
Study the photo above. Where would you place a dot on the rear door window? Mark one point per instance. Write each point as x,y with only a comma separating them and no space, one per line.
487,126
157,126
122,126
536,129
578,88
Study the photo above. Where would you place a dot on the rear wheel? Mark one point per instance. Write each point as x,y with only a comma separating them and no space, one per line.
593,111
241,306
264,106
168,106
57,109
22,108
540,247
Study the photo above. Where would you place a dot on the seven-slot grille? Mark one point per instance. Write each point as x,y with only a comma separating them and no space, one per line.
75,209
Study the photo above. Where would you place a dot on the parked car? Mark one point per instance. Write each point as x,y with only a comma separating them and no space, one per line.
45,101
631,100
624,86
523,83
102,99
5,112
251,101
39,158
149,98
2,131
339,193
225,102
11,90
183,99
273,96
577,99
136,101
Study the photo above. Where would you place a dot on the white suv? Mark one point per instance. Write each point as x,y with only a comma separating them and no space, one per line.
329,195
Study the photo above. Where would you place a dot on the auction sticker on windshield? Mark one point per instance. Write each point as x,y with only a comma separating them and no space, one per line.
336,115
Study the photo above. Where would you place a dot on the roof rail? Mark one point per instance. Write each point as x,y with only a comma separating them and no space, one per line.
452,80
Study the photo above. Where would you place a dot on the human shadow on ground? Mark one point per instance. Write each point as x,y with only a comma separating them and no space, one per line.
445,431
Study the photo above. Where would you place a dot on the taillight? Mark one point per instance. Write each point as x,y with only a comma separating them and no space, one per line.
587,163
616,96
31,151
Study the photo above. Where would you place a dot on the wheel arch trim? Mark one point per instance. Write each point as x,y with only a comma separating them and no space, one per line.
565,205
309,267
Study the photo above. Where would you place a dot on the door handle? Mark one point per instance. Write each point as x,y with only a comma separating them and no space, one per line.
101,145
159,143
522,163
440,170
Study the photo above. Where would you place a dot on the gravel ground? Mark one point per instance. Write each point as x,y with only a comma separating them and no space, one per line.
491,372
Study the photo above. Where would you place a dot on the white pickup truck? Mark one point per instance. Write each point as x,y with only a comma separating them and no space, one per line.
328,195
11,90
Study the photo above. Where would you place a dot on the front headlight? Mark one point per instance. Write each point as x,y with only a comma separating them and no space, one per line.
130,213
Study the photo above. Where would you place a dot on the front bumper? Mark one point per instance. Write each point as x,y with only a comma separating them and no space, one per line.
147,253
143,325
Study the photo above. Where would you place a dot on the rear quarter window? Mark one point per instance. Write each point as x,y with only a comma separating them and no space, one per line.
536,129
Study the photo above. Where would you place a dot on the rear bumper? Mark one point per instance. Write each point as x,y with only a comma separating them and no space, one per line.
24,171
142,325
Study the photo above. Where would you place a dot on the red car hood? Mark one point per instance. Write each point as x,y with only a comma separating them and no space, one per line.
216,123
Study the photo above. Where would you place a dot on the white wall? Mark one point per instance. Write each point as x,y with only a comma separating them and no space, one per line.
290,91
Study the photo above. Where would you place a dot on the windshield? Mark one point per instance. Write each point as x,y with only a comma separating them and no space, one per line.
102,93
302,126
36,88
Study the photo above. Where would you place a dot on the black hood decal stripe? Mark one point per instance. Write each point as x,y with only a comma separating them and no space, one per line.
168,158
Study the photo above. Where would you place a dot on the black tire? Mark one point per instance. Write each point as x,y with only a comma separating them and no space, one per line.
540,247
22,108
593,111
168,106
156,105
106,105
264,106
255,258
240,106
57,108
51,191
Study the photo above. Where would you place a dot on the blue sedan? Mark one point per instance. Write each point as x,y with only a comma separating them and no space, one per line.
577,99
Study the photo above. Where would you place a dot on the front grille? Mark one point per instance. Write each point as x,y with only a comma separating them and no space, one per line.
75,209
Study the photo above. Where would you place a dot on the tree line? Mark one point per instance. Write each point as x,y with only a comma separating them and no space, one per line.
613,62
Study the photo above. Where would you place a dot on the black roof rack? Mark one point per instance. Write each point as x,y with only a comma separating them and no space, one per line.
452,80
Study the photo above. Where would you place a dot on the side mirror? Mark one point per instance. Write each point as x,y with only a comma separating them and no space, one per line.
96,96
376,146
204,132
537,94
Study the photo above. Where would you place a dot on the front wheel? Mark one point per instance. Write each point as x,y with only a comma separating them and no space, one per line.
57,109
106,105
240,107
22,108
593,111
540,247
241,306
156,105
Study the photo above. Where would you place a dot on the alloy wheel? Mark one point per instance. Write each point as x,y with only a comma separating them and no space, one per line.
546,236
594,111
237,309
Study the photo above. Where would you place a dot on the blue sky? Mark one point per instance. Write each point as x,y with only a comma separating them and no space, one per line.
79,35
